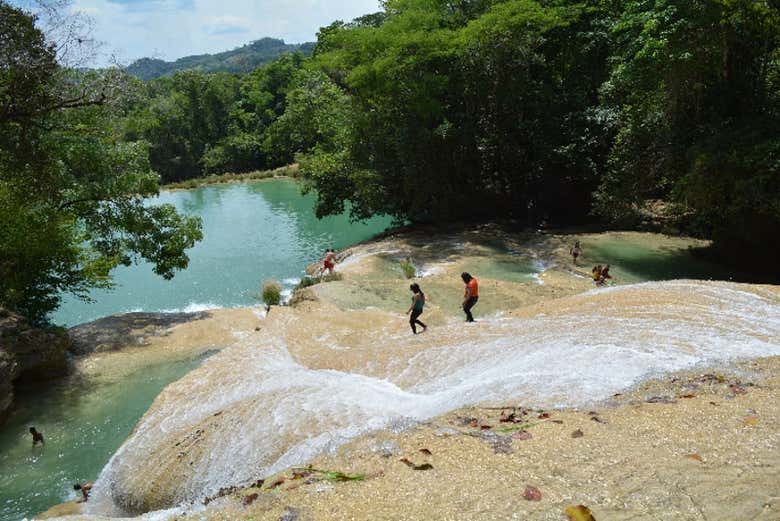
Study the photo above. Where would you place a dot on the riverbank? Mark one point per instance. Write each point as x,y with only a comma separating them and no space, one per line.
301,382
291,171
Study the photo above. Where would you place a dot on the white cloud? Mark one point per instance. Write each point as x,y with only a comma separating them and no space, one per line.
170,29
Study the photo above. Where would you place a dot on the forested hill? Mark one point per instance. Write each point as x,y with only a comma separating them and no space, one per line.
242,59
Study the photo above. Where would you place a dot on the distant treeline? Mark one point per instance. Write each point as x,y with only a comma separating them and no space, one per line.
240,60
534,110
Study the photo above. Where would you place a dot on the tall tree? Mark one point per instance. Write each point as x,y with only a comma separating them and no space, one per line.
72,195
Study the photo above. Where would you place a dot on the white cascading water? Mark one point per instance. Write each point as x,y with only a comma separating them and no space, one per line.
260,411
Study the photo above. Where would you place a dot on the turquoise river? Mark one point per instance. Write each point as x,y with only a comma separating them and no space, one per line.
252,232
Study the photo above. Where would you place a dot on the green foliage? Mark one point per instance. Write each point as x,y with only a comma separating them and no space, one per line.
72,195
408,269
696,95
332,475
307,282
202,124
271,293
240,60
463,111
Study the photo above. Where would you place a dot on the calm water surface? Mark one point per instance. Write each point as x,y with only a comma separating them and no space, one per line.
252,232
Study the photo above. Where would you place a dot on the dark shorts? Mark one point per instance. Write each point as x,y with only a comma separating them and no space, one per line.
470,303
415,314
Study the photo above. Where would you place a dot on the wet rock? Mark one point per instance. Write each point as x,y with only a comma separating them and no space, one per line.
28,353
290,514
385,448
500,444
446,431
120,331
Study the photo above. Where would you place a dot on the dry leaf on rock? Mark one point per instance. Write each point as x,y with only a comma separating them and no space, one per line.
577,434
248,500
532,493
695,456
579,513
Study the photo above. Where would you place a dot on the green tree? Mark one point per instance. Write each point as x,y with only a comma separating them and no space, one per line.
72,194
465,110
695,88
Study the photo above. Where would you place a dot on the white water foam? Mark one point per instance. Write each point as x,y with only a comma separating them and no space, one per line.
288,413
194,307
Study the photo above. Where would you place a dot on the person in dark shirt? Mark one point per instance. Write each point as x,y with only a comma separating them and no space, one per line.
37,437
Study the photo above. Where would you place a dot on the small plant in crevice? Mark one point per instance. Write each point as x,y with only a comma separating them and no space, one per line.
408,268
271,294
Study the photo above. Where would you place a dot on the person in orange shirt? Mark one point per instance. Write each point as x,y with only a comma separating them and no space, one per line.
471,296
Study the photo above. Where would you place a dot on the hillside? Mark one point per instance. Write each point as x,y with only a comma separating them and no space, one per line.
242,59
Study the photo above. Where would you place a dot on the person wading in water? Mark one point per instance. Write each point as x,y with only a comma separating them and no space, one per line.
416,309
471,296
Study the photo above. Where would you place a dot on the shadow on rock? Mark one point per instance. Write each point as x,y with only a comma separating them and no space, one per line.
131,329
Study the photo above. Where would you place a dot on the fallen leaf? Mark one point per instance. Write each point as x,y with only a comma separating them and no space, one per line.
522,435
713,403
424,466
466,420
660,399
577,434
300,473
579,513
544,416
425,451
695,456
597,419
276,483
687,396
485,427
248,500
750,421
532,493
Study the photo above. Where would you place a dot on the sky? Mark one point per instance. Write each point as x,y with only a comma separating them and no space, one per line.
170,29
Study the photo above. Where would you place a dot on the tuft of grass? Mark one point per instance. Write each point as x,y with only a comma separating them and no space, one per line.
271,293
306,282
408,268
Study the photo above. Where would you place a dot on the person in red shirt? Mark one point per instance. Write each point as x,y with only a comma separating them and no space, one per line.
471,296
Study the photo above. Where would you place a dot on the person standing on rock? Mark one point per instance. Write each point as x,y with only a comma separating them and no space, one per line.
329,262
471,295
37,437
416,309
575,252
